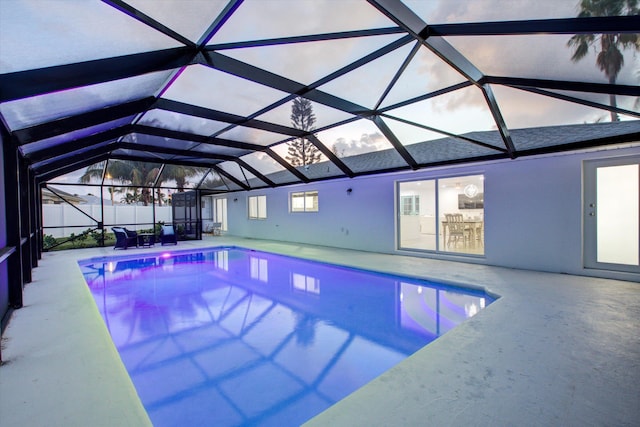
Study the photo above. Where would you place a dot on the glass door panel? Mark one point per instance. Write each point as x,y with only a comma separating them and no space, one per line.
612,214
417,215
461,212
221,213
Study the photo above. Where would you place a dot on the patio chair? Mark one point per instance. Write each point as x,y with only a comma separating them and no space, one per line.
458,229
216,228
125,238
168,235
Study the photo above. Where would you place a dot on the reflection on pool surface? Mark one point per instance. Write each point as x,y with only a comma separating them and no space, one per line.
228,336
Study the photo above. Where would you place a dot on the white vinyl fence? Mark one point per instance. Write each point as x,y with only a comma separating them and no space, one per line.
66,216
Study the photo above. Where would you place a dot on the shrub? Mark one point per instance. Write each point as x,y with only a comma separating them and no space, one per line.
98,237
48,241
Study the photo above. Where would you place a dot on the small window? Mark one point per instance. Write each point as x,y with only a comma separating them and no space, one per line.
305,201
257,207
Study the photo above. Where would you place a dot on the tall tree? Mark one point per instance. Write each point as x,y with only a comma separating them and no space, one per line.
138,174
608,46
301,152
180,174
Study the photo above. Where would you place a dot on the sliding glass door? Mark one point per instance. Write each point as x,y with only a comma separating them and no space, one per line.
442,215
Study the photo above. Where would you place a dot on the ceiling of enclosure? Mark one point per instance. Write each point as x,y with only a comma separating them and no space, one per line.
234,95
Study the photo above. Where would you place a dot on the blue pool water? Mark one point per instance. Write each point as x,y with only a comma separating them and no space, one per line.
229,336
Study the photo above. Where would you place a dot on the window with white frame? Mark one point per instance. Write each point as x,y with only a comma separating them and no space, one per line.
304,201
257,207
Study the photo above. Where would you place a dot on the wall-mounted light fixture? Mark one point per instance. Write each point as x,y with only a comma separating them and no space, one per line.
235,200
349,190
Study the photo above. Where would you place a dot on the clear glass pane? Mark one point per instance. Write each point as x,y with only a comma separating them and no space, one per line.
297,202
455,11
366,84
93,174
361,146
44,108
71,136
425,73
409,134
160,198
131,172
181,122
267,166
182,160
133,208
181,177
71,210
219,149
630,103
236,171
299,152
72,156
325,116
158,141
253,207
252,135
214,181
417,213
259,19
319,167
209,88
457,112
90,175
461,211
70,31
308,62
618,193
311,201
262,206
428,147
141,155
522,109
188,18
529,56
445,149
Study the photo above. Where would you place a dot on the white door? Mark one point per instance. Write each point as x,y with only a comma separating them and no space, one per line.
612,214
221,213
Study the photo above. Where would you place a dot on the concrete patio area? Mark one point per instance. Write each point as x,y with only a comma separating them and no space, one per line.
553,350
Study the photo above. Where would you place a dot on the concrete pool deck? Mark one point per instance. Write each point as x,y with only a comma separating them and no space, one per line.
553,350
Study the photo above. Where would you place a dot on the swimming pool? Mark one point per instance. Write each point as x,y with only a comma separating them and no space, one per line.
229,336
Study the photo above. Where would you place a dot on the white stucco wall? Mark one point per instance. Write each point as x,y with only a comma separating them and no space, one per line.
533,212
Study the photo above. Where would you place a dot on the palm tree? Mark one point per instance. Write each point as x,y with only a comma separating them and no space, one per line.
609,59
94,171
180,174
213,181
135,173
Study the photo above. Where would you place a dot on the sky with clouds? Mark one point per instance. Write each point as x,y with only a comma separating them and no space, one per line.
76,30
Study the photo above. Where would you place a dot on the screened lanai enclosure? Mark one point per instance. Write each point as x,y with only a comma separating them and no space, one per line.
111,108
